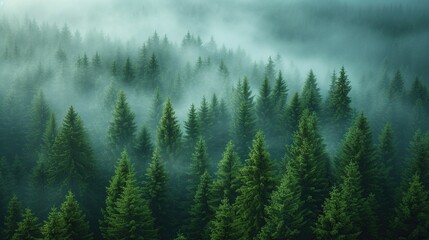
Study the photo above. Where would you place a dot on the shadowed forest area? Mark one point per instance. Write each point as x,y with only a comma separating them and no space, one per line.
154,138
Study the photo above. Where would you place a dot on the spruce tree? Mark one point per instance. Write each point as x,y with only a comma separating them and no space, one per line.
76,226
28,227
310,96
192,129
292,115
418,162
54,228
153,73
339,104
155,112
244,118
204,119
227,179
169,133
411,219
199,165
71,164
258,181
122,128
279,94
39,119
201,212
221,227
143,149
128,72
285,213
270,70
358,147
265,109
396,88
309,160
114,191
12,218
155,191
132,217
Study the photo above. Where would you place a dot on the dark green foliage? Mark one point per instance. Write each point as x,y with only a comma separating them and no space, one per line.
220,120
39,119
339,101
292,115
152,73
244,118
12,218
114,191
257,178
155,191
199,165
54,228
227,179
144,149
270,70
169,133
265,108
310,96
279,97
71,164
418,163
155,112
204,119
285,213
76,226
309,161
418,92
396,88
28,227
192,129
358,147
221,227
201,212
411,219
122,128
128,72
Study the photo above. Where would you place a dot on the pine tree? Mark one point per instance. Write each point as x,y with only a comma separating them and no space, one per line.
198,166
265,108
279,97
128,72
39,119
419,158
155,112
396,88
411,220
155,189
114,191
358,147
257,184
28,227
221,227
12,218
204,119
339,104
244,118
285,213
292,115
132,217
54,228
227,179
201,212
270,70
220,121
122,128
153,73
144,149
310,97
169,134
76,226
71,164
192,128
309,160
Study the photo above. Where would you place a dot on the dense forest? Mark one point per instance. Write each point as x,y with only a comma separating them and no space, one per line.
101,139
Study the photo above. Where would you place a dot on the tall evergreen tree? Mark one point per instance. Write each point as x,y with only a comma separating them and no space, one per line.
155,190
279,94
285,213
310,96
12,218
292,115
411,220
201,212
270,70
265,109
396,88
309,160
76,226
418,163
169,133
128,72
221,227
122,128
192,129
143,149
204,119
28,227
258,181
54,228
153,73
114,191
39,119
155,112
358,147
71,164
199,165
339,104
244,118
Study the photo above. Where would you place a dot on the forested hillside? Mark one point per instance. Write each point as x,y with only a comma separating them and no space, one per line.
105,139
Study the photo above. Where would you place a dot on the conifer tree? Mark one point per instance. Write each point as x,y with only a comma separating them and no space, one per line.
227,179
411,219
169,134
201,211
122,128
339,104
265,108
358,147
199,165
54,228
192,128
12,218
114,191
244,118
221,227
155,112
71,164
270,70
279,94
220,126
285,213
39,118
418,163
76,226
396,88
292,115
28,227
310,96
155,190
128,72
309,160
132,217
258,181
144,149
153,73
204,119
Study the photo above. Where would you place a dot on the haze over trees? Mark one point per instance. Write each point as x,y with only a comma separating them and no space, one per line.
182,139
